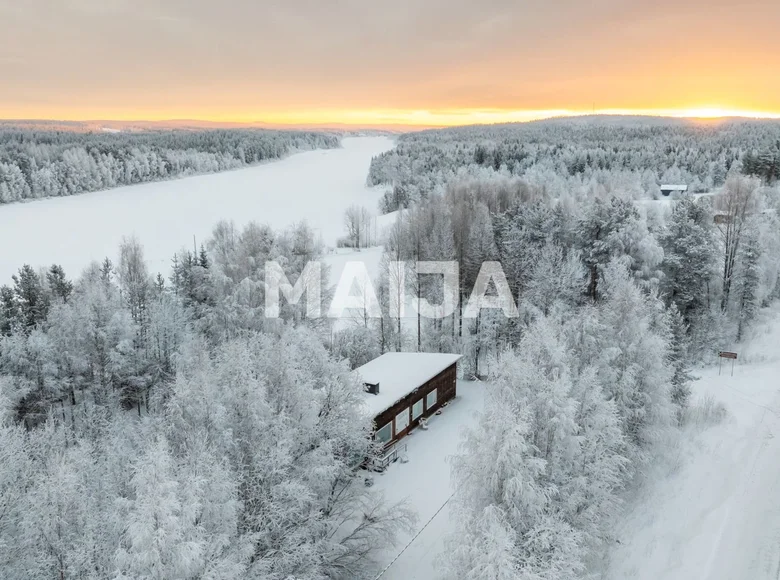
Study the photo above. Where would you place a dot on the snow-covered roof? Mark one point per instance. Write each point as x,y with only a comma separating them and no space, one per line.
400,373
675,187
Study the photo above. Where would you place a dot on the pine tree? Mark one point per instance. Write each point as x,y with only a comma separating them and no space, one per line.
60,286
606,232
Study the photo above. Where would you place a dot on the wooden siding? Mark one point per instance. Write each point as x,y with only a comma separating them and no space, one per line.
445,383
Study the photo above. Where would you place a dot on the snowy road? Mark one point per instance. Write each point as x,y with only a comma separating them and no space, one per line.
72,231
747,542
714,514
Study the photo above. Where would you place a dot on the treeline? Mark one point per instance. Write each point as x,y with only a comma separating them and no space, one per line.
715,259
155,427
623,155
38,163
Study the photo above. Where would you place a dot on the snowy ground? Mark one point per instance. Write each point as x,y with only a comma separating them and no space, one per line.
712,512
425,482
316,186
338,259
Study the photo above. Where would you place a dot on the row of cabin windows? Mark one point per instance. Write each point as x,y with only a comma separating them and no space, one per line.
385,434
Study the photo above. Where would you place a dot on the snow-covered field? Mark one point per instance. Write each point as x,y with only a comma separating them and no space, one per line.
316,186
425,482
712,512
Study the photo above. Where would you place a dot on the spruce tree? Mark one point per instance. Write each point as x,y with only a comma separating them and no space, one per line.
203,258
30,296
9,311
747,287
688,264
678,354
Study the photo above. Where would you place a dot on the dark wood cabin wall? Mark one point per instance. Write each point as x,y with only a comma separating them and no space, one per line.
445,382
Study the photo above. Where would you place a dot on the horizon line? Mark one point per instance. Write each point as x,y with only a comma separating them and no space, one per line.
400,120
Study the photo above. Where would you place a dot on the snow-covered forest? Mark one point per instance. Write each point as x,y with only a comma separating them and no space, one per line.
630,156
157,428
161,426
37,163
618,300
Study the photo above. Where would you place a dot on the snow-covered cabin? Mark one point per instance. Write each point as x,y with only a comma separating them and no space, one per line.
667,190
404,387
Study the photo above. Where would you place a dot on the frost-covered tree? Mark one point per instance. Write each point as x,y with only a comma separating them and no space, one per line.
538,474
59,285
287,419
134,279
611,229
678,357
16,468
357,223
601,156
159,541
358,344
32,300
689,259
555,279
630,349
42,161
748,279
736,204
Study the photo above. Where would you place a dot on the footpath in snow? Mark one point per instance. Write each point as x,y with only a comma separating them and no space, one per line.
713,513
316,186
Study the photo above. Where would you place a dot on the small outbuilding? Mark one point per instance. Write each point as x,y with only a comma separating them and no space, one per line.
404,387
667,190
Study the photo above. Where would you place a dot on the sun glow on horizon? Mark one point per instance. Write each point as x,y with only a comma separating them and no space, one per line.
395,117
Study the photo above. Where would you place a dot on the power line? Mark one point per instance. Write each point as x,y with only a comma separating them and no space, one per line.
415,537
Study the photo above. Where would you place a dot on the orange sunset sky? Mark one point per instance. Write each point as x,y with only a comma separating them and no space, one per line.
405,62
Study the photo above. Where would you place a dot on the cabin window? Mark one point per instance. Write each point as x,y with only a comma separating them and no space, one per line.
417,409
430,399
401,421
384,434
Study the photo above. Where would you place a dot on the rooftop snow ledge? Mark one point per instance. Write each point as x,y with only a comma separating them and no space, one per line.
400,373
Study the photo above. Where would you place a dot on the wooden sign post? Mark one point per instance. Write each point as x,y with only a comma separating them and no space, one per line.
725,354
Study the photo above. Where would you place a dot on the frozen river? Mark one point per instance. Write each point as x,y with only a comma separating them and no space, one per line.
315,186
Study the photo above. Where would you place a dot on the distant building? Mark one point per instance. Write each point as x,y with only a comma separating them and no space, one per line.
404,387
667,190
